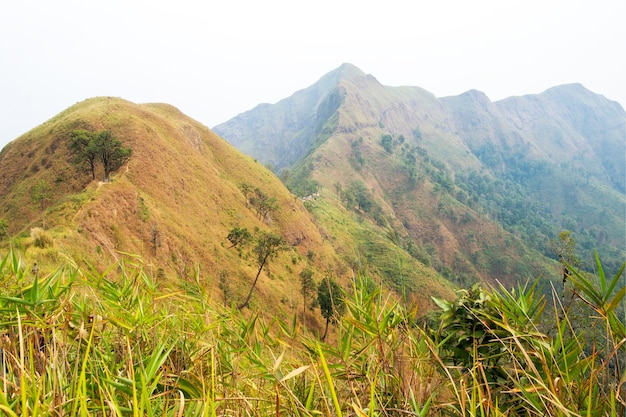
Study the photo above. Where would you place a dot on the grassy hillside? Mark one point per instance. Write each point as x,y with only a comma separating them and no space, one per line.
172,205
473,188
417,197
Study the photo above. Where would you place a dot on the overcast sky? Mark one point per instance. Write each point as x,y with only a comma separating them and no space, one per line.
216,59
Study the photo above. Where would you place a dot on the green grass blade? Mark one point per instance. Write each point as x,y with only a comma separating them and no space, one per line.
615,301
615,280
329,380
601,275
7,410
309,397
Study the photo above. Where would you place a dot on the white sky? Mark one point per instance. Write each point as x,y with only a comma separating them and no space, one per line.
216,59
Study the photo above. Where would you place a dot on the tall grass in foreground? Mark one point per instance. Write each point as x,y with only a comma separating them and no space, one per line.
77,343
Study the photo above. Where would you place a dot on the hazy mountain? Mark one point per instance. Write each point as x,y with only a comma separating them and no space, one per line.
474,187
283,131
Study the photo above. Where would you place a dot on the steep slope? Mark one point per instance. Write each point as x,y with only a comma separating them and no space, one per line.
587,130
562,151
172,205
475,188
283,131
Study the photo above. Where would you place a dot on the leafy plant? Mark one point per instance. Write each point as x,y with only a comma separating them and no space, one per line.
238,236
307,286
120,342
493,344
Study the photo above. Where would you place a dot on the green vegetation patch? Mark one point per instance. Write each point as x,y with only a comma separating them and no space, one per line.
124,342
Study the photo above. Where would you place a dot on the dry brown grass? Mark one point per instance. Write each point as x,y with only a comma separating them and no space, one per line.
183,181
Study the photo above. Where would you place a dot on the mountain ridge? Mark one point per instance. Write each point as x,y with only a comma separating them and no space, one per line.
470,158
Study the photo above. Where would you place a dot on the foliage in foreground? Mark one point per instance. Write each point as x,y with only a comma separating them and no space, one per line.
77,342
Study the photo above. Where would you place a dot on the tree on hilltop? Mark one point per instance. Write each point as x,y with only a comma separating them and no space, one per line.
111,152
90,147
84,150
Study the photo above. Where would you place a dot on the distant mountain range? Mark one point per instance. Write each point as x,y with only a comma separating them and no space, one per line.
478,187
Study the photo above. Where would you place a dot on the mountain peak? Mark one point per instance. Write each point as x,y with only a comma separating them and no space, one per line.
347,70
476,96
578,92
578,87
297,115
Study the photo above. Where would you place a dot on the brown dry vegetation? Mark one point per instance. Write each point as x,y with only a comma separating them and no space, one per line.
172,204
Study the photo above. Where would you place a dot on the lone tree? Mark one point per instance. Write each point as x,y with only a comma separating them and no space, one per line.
111,152
90,147
238,236
84,150
338,188
565,249
387,142
307,286
330,300
267,246
263,204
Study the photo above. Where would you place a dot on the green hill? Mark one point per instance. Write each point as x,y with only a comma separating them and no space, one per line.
474,188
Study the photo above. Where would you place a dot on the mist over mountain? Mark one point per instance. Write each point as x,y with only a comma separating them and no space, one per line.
473,187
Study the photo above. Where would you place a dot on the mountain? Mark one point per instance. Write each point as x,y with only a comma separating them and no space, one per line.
283,131
566,124
475,188
170,207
